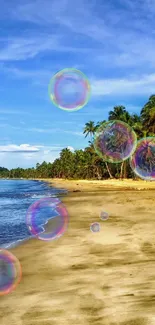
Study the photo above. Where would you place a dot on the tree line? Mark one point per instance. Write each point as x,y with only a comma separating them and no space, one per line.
85,163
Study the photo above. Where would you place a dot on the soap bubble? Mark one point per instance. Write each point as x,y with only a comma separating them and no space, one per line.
115,141
142,161
69,89
95,227
47,219
10,272
104,215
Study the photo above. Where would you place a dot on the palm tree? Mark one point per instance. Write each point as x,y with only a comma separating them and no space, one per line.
106,164
136,123
151,125
100,123
148,115
118,113
89,129
67,162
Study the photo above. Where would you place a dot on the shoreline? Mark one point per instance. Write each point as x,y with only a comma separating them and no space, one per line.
89,185
90,278
20,242
110,184
77,186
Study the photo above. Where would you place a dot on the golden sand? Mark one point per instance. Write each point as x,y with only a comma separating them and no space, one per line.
85,278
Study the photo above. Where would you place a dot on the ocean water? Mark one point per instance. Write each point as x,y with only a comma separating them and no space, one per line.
15,198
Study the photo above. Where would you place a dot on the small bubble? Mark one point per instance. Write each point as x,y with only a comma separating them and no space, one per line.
104,215
95,227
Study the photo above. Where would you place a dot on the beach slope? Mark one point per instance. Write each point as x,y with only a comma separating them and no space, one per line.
105,278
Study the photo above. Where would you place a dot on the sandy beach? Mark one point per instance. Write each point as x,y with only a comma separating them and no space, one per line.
105,278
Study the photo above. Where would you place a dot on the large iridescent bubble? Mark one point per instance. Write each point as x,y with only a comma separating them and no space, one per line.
115,141
142,161
10,272
47,219
69,89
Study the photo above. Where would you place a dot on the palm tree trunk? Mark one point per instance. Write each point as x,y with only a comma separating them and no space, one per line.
108,170
121,173
125,169
144,134
98,173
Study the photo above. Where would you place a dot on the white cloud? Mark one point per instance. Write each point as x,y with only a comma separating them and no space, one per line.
140,85
52,148
41,130
81,21
29,150
19,148
130,23
127,57
53,130
26,155
25,160
24,48
27,74
70,148
46,152
27,48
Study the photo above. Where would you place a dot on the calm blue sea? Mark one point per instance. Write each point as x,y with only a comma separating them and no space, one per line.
15,198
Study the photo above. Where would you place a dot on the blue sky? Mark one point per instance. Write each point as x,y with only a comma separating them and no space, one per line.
111,41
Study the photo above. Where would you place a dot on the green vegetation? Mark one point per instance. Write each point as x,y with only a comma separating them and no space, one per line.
86,164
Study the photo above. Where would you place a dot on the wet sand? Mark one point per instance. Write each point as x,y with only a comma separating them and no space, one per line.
105,278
